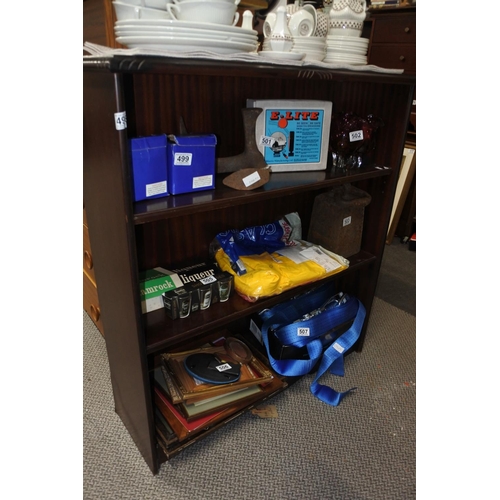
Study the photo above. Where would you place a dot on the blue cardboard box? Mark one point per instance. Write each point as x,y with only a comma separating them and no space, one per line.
149,166
191,163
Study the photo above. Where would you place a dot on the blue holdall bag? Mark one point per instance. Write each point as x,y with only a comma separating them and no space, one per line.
322,326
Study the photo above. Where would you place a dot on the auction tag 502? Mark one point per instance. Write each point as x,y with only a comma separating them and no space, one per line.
357,135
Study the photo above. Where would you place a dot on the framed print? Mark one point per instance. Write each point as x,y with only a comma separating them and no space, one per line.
293,135
406,174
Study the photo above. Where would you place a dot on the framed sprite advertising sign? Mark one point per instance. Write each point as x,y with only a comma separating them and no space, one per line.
293,135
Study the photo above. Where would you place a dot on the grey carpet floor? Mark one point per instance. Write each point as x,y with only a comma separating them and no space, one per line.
363,449
398,277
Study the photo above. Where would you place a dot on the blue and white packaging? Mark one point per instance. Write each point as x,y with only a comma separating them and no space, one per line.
293,134
191,163
149,166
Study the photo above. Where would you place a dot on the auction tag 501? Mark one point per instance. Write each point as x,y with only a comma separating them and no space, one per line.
267,141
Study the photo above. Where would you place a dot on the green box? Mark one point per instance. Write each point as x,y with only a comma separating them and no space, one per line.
152,284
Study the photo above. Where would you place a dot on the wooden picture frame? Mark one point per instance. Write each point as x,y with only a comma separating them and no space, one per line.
406,174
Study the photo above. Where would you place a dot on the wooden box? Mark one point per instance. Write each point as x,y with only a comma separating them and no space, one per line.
337,219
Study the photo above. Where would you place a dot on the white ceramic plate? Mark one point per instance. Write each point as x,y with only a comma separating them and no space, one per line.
184,24
183,32
335,43
309,39
186,44
342,55
348,39
345,46
336,48
309,52
350,57
329,59
308,44
345,50
276,54
301,49
314,43
305,47
167,30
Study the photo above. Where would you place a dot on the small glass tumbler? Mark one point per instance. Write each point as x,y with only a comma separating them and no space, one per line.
205,296
225,286
184,304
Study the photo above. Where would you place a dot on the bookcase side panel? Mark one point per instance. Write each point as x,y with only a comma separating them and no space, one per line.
108,209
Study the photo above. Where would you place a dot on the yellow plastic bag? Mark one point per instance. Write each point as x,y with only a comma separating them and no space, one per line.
270,274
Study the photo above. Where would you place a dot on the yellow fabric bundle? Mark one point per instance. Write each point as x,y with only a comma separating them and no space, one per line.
271,274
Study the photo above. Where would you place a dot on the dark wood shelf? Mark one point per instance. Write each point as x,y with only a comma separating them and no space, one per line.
163,332
127,237
280,184
258,69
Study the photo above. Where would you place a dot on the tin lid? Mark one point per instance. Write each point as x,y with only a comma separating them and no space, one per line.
193,140
149,142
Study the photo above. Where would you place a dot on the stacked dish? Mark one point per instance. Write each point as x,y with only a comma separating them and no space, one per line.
181,36
141,9
314,47
346,50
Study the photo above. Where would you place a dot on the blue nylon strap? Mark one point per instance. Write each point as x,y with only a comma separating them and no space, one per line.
317,325
331,357
337,367
281,319
295,308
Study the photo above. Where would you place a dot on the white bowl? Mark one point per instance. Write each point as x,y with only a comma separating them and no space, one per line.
205,11
301,23
153,4
125,11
